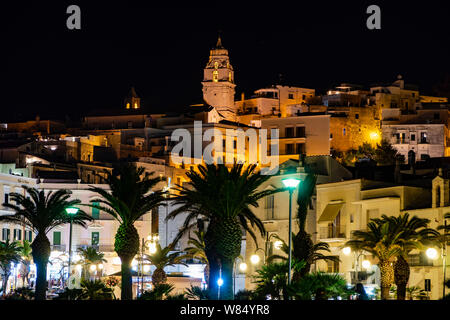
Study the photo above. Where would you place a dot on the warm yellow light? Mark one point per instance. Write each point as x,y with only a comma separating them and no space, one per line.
78,267
146,268
100,266
432,253
117,261
134,263
128,105
255,259
243,266
347,251
278,244
374,135
152,248
366,264
93,267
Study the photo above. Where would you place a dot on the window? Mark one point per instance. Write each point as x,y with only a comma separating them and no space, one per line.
5,234
343,131
230,77
290,96
56,238
290,148
28,235
95,211
216,65
300,132
356,116
17,235
423,137
128,105
6,198
436,116
289,132
95,238
332,266
215,75
270,200
413,137
300,148
303,97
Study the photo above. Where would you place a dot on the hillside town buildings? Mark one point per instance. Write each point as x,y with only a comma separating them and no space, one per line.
51,154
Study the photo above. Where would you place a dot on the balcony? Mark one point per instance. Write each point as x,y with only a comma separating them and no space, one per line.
363,277
332,232
58,247
100,248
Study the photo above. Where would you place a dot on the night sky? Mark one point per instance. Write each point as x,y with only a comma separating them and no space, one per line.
49,70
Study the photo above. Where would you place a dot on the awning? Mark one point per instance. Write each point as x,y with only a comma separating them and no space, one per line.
330,212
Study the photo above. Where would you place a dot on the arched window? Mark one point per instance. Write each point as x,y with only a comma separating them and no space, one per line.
128,105
216,65
215,75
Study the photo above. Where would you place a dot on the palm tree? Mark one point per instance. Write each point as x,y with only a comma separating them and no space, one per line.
27,258
42,212
160,291
271,280
95,290
131,197
382,244
197,251
414,233
164,257
314,255
321,286
224,197
90,256
9,253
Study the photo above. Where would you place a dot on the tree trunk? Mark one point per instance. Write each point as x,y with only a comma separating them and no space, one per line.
127,279
226,290
214,273
401,276
5,277
387,278
41,253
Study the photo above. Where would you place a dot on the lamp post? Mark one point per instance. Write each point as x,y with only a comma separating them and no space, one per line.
433,255
254,259
151,239
71,211
291,184
242,267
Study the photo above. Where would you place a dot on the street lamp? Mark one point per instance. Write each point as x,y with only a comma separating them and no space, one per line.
255,259
151,244
242,268
71,211
291,184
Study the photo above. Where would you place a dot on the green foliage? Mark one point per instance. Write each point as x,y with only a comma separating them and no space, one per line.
225,198
384,154
320,286
95,290
9,253
131,195
271,280
197,293
244,295
159,292
21,294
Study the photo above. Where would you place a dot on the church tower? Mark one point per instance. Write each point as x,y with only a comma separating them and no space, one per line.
218,81
132,101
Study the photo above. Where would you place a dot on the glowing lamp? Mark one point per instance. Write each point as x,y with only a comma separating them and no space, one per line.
291,183
72,210
366,264
347,251
432,253
243,266
278,244
255,259
220,282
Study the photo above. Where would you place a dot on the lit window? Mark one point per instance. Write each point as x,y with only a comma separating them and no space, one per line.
135,105
216,65
128,105
230,77
215,76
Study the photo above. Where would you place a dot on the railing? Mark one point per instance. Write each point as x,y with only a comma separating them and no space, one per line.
100,248
332,232
362,277
58,247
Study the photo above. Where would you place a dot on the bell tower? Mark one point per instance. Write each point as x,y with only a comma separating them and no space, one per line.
132,101
218,81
